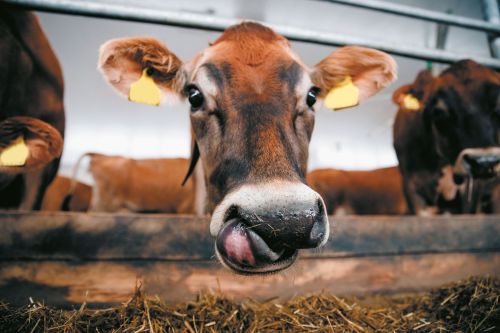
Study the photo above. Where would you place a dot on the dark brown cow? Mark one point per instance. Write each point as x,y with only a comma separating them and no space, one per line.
252,114
31,108
376,191
57,192
145,186
454,135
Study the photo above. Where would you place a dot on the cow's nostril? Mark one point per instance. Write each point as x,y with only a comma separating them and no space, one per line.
458,179
317,233
482,166
319,228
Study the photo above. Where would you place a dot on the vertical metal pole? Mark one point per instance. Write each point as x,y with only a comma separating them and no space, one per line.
441,37
492,15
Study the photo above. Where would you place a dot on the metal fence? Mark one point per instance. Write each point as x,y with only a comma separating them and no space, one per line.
103,9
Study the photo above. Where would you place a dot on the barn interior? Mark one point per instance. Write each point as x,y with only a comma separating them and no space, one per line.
122,257
354,139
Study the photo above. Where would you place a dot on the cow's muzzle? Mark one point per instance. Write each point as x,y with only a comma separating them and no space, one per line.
478,163
260,228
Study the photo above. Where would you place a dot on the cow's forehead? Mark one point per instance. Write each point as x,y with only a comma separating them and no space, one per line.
248,47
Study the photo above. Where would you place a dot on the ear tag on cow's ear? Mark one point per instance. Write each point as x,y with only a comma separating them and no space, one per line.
343,95
145,90
16,154
411,103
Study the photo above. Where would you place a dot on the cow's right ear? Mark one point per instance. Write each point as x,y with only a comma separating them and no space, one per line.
411,97
27,144
124,61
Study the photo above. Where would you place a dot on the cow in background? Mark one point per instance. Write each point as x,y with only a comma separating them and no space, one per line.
56,197
31,109
142,185
447,138
377,191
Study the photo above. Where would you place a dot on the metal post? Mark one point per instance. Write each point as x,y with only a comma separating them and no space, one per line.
492,14
100,8
422,14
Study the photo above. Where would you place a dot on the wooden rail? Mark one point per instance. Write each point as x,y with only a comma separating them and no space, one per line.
68,258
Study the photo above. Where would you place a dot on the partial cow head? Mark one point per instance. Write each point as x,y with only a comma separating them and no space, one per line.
27,144
252,110
461,108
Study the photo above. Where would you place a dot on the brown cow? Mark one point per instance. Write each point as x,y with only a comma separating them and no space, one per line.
252,114
31,108
451,141
145,186
57,192
376,191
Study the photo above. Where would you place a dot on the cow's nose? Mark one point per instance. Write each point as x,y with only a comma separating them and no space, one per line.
482,166
259,228
281,228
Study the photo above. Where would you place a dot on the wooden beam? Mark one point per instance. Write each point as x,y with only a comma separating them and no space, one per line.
62,283
72,236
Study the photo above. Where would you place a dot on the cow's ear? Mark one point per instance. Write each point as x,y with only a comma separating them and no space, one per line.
353,74
410,97
27,144
135,66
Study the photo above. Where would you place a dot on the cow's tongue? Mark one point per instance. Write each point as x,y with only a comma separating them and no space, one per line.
243,247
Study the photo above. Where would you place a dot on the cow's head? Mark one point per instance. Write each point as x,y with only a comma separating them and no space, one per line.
461,108
27,144
252,110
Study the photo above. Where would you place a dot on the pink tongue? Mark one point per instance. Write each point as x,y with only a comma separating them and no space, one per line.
237,246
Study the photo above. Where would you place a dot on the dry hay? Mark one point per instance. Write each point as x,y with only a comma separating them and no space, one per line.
467,306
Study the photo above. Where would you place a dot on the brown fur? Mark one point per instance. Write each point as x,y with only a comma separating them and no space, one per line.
149,185
59,189
258,126
376,191
31,86
463,95
372,71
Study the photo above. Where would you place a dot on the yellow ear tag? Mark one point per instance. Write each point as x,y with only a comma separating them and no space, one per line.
145,90
411,103
343,95
16,154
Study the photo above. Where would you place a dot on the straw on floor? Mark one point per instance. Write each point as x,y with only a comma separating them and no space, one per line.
466,306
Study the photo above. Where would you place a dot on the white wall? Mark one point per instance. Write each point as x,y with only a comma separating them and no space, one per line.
360,138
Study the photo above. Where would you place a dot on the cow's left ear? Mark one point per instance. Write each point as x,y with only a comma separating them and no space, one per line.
27,144
351,74
140,68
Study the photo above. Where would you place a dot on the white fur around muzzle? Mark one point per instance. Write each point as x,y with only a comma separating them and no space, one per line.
278,196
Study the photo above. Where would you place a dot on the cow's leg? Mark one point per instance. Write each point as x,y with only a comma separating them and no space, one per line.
416,203
33,191
200,191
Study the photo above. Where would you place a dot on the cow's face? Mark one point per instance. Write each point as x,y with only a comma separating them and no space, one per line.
462,109
252,112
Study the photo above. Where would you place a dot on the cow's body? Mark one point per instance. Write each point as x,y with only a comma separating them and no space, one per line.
438,144
376,191
56,194
148,185
31,106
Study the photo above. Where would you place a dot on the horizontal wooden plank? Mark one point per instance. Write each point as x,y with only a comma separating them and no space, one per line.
64,283
56,235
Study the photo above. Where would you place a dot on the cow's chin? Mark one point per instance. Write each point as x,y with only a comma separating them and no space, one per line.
242,250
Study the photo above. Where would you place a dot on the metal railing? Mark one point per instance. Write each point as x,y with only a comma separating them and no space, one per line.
422,14
206,22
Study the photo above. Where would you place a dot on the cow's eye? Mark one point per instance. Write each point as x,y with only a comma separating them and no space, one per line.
312,95
195,97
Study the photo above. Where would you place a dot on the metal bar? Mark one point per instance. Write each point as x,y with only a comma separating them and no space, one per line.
199,21
492,15
423,14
